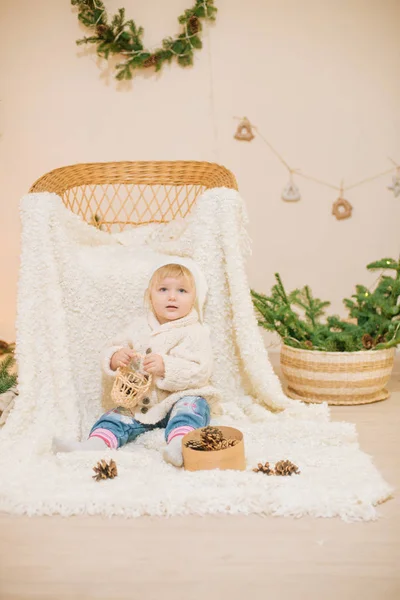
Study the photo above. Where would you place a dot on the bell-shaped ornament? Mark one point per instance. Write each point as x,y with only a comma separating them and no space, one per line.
291,193
244,131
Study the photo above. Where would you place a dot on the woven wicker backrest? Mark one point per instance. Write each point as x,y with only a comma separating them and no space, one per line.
117,195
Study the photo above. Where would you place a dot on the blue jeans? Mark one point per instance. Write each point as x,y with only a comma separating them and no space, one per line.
117,427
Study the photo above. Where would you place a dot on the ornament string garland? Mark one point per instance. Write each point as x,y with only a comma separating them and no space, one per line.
341,209
119,36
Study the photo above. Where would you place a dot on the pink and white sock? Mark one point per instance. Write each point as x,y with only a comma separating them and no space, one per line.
179,431
107,436
173,452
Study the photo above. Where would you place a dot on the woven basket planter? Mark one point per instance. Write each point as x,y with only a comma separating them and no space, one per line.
337,377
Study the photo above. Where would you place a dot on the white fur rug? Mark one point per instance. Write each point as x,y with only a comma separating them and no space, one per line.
77,287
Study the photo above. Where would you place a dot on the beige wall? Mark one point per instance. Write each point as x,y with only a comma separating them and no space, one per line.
319,77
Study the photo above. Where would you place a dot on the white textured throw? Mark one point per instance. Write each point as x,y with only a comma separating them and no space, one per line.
78,286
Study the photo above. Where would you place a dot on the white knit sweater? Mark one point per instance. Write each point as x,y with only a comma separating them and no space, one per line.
186,350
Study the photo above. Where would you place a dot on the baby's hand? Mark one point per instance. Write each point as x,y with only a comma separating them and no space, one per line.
154,364
121,358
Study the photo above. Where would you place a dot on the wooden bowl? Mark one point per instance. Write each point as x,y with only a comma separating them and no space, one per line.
230,458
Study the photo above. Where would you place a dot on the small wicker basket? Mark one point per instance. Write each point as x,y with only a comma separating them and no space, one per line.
130,387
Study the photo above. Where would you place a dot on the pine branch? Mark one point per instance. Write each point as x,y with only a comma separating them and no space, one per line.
280,290
7,379
376,313
385,263
276,314
313,307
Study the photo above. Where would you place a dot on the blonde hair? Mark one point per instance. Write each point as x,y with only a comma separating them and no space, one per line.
170,270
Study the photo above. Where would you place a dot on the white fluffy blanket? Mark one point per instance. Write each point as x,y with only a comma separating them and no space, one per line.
77,287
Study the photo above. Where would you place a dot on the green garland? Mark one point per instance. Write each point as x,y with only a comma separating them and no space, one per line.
122,37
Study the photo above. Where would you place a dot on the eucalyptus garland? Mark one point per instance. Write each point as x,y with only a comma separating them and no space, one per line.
122,37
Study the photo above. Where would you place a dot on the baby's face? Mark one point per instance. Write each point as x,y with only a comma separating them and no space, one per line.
172,298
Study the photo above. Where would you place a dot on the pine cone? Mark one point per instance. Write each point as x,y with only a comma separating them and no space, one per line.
308,344
193,24
195,445
220,445
101,29
264,469
211,438
232,442
104,470
151,61
367,341
209,447
212,432
229,443
285,467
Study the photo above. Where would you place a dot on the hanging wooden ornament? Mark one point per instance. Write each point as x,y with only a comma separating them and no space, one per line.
395,187
244,131
291,192
342,209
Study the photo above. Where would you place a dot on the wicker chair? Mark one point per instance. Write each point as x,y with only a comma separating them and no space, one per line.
114,196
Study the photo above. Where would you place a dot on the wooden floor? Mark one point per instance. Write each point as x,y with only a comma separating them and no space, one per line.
216,558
